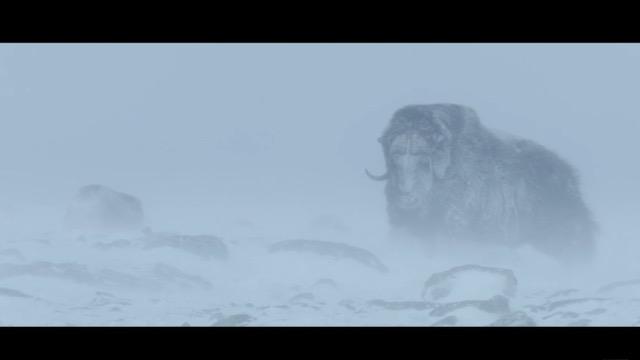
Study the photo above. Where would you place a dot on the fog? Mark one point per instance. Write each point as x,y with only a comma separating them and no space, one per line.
270,141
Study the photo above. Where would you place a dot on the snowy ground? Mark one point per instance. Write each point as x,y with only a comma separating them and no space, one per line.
67,279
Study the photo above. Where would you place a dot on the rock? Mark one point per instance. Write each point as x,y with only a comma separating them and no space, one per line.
99,209
581,322
402,305
303,298
349,304
496,305
474,312
235,320
518,318
629,287
204,246
469,282
562,303
447,321
105,299
115,244
332,249
597,311
563,315
562,293
13,293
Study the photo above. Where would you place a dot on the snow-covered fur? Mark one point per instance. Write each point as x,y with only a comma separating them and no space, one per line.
449,178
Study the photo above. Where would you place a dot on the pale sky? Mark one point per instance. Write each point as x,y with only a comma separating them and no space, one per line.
207,134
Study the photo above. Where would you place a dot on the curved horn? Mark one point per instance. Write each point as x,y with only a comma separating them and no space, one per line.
382,177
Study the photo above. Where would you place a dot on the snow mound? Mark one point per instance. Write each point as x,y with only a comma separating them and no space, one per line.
204,246
99,209
470,282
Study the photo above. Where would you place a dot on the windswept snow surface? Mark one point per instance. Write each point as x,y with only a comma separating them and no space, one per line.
151,279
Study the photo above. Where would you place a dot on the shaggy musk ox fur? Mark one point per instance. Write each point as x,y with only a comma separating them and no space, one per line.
450,179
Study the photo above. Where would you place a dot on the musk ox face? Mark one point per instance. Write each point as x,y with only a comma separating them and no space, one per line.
417,159
411,176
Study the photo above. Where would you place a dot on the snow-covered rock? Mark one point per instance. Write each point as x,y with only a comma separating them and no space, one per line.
628,289
446,321
204,246
99,209
469,282
496,305
517,318
331,249
13,293
474,312
402,305
234,320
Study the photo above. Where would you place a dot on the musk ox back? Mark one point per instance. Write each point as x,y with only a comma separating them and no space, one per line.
450,179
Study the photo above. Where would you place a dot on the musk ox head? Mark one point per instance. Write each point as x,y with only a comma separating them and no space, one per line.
419,146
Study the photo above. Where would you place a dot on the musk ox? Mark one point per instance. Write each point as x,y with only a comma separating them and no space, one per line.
449,179
97,208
